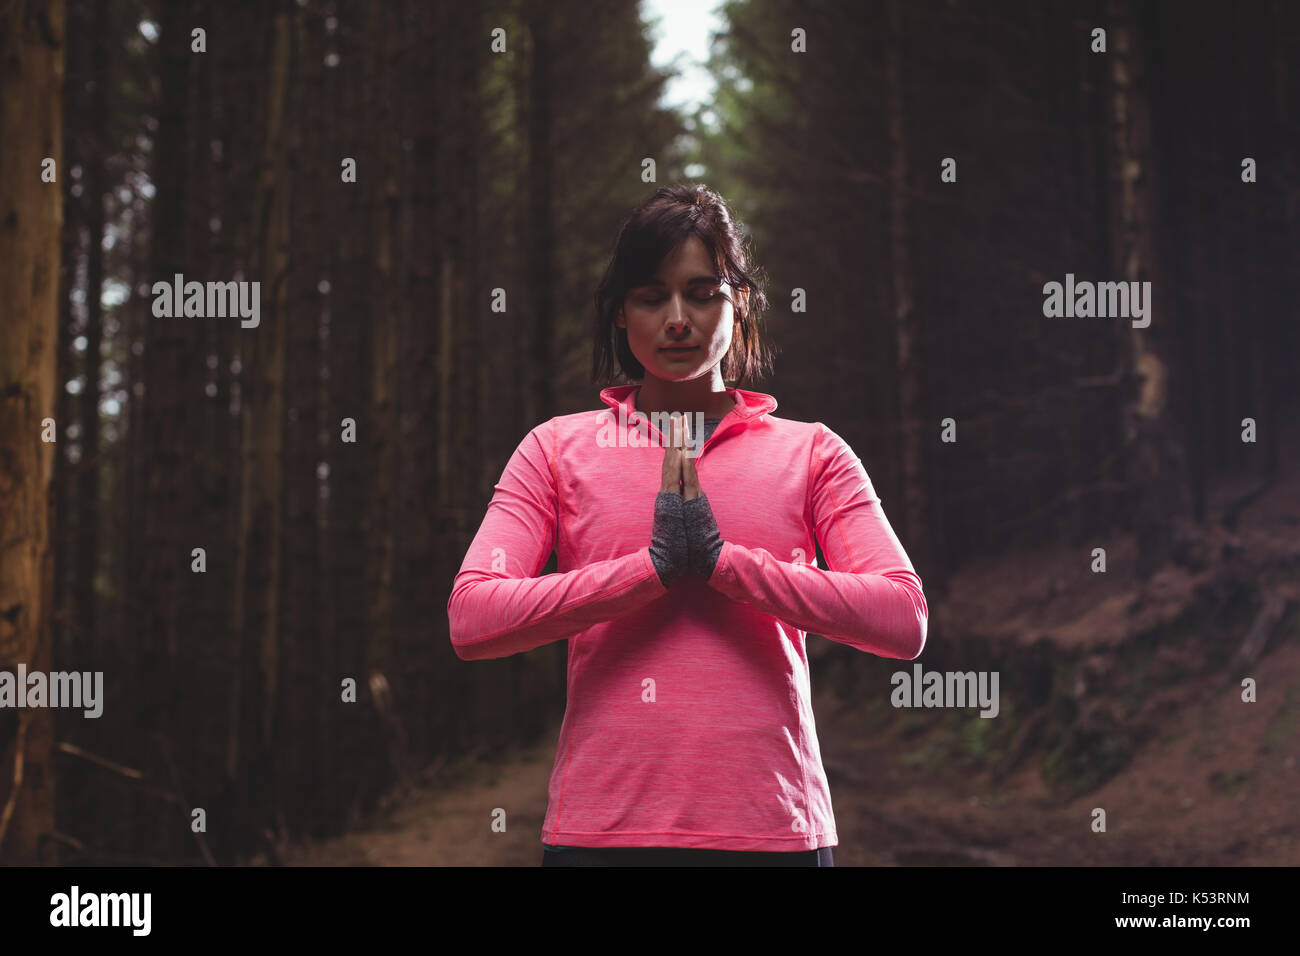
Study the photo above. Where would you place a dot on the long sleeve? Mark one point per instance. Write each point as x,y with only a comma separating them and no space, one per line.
499,605
871,598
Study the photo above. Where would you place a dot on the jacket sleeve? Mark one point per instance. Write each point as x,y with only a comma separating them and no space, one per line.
499,605
871,598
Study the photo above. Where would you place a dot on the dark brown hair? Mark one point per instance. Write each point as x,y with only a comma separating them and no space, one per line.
653,230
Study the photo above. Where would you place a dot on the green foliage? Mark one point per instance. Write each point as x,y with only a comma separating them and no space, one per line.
1087,755
1284,722
1230,782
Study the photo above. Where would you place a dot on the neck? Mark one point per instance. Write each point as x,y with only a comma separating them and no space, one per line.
705,394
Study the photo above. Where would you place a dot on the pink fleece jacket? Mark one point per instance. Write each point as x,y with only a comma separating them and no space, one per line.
689,719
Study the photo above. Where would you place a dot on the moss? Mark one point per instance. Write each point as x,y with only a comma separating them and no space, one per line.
1284,722
1087,755
1206,734
912,722
1175,735
982,740
1229,782
958,738
930,756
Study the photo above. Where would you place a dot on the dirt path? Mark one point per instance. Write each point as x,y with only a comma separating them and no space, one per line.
1219,785
1209,780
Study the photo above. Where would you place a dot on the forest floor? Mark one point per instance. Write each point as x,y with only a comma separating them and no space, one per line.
1117,696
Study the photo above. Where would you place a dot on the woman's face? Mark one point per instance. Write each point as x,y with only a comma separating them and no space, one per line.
685,307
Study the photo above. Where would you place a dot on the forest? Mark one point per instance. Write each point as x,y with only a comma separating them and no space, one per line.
284,284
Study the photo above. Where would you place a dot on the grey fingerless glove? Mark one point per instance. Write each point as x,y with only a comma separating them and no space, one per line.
704,544
668,548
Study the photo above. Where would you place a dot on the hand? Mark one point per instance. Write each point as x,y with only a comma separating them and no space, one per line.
686,533
690,477
679,475
668,546
703,542
669,549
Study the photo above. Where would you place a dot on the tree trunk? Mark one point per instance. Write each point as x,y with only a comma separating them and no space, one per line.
298,695
257,577
95,178
1156,456
913,426
385,131
171,423
64,532
344,610
31,218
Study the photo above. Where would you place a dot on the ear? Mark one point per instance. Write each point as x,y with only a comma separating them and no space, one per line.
620,320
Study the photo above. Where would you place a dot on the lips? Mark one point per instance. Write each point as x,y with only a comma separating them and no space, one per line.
679,348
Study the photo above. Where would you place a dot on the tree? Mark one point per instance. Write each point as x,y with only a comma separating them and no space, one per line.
1157,455
31,218
257,580
909,377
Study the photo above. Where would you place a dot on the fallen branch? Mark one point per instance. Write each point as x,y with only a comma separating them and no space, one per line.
1233,509
1257,636
129,773
75,751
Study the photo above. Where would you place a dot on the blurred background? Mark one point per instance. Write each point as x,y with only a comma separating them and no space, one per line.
497,148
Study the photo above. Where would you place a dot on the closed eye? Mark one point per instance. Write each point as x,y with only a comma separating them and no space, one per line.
698,298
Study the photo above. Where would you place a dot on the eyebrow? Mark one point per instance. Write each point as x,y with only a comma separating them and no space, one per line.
694,280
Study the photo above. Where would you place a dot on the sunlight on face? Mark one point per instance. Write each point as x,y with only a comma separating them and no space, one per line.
687,306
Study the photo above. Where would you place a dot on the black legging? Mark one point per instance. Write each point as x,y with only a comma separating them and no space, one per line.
681,856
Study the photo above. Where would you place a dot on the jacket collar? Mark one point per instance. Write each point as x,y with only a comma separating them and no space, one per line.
749,405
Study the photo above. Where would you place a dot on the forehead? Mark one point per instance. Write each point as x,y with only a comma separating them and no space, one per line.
689,263
690,256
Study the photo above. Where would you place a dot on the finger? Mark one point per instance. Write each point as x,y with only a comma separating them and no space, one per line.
670,476
672,471
690,478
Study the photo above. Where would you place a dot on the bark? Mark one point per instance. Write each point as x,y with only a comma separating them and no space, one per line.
539,399
31,219
913,427
1156,455
380,657
298,694
171,419
258,571
344,611
64,532
88,469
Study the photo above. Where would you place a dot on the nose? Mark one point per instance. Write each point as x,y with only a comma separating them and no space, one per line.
676,321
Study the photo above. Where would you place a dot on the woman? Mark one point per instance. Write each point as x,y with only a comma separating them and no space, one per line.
688,734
